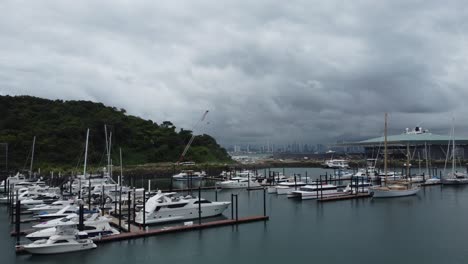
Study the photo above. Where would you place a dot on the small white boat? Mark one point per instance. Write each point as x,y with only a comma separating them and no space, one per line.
432,181
166,207
93,229
315,191
69,220
287,187
67,210
187,175
362,187
336,164
238,183
51,208
455,178
61,243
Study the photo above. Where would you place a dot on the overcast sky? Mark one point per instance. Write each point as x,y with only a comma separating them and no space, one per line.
278,71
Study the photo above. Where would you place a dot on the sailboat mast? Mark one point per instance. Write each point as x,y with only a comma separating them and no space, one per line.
427,158
453,147
32,157
121,168
407,160
86,154
385,146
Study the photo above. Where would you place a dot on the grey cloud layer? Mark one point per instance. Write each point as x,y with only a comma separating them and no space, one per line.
316,71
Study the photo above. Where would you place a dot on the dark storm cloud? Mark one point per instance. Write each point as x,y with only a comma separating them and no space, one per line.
315,71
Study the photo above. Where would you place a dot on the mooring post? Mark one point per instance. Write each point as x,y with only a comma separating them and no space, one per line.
18,218
199,205
232,206
173,173
12,202
81,218
295,182
306,177
128,213
216,193
317,187
326,178
321,189
115,200
134,203
144,208
248,181
424,177
120,209
103,201
237,208
264,201
71,186
89,194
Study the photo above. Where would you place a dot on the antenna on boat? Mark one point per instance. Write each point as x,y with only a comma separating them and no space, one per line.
193,136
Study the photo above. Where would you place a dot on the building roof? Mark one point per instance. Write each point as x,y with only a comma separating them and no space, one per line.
412,139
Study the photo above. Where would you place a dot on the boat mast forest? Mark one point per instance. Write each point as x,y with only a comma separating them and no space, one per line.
59,128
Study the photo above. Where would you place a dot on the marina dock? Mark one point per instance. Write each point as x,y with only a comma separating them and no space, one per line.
138,233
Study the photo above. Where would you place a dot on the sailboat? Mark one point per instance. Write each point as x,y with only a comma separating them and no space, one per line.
454,177
397,188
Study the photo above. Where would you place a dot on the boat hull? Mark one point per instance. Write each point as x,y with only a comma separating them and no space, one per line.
183,214
57,249
454,181
237,185
383,193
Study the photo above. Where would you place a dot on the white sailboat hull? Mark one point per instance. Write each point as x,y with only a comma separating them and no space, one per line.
387,193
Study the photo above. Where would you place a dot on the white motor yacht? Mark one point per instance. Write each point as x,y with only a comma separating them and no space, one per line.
51,208
60,243
93,229
315,191
166,207
67,210
70,219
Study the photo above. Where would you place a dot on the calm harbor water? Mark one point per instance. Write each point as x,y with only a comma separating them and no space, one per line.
427,228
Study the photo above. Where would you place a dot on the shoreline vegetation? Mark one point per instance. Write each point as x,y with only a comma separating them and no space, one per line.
60,131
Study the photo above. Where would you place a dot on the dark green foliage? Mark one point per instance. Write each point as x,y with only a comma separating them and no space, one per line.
60,129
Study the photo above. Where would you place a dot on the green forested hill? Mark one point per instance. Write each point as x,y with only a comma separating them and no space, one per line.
60,130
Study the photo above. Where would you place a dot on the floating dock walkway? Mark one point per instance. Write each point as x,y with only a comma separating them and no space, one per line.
344,197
